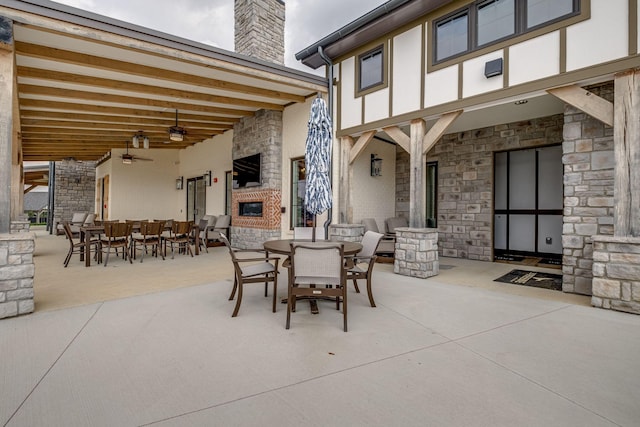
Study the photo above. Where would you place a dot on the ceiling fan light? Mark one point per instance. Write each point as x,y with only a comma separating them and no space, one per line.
145,143
176,135
126,161
135,141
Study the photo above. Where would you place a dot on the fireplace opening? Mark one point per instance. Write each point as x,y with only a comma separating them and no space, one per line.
250,209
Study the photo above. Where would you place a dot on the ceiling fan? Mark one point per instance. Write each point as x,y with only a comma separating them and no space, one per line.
176,133
127,158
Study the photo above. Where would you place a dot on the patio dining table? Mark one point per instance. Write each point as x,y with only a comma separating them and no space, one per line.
87,230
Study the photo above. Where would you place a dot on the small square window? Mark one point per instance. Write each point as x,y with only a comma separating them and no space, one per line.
496,20
541,11
371,68
452,36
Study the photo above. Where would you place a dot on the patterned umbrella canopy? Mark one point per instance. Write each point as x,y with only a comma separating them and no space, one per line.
317,197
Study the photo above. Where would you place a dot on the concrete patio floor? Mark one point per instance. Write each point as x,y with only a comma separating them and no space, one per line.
154,344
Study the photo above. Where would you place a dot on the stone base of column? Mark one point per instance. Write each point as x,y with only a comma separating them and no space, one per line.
416,252
616,273
346,232
16,274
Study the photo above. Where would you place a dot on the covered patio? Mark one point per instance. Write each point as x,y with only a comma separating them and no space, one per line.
455,349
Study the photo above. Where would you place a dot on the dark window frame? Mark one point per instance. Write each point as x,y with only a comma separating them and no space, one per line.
471,10
381,49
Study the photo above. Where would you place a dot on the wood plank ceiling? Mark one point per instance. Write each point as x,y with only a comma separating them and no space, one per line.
86,86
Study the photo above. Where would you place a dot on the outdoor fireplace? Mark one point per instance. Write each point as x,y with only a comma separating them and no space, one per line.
253,209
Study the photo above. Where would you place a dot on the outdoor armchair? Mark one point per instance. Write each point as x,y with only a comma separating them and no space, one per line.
251,270
387,244
77,246
361,265
317,270
222,224
116,235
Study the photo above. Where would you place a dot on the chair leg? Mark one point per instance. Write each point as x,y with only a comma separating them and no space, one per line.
66,260
275,290
290,300
235,286
355,285
370,293
235,310
344,308
106,261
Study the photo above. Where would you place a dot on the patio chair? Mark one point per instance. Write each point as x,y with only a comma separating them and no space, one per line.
317,270
204,224
387,244
78,247
150,236
395,222
77,220
363,262
116,235
222,224
180,235
260,270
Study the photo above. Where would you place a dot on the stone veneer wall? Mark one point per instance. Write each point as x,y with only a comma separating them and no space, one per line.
588,191
75,189
465,181
260,133
259,29
416,252
616,273
16,274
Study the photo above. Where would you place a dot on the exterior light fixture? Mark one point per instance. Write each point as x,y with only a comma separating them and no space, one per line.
207,178
135,141
145,142
521,102
179,183
176,133
376,165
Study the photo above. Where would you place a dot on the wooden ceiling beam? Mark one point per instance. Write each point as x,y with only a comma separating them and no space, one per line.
102,83
25,89
133,128
101,118
82,59
38,105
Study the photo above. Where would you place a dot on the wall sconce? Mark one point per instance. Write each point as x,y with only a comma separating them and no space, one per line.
493,68
376,165
179,183
207,178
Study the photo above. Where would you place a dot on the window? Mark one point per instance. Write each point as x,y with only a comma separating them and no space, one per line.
452,36
371,66
299,215
496,20
541,11
488,21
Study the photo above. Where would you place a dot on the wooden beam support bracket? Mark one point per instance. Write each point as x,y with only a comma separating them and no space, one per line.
586,101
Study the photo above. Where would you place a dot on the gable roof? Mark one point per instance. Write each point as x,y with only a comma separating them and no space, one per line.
380,21
36,200
87,83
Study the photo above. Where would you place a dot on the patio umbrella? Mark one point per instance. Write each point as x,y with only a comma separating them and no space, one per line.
317,158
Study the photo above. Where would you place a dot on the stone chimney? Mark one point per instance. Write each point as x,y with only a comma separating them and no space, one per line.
259,29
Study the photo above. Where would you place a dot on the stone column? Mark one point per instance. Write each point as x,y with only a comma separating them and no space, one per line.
346,232
259,29
416,252
16,274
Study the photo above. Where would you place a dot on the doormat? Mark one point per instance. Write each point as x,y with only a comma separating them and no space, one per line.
532,278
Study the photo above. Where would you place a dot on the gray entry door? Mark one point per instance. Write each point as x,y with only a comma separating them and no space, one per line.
528,198
196,199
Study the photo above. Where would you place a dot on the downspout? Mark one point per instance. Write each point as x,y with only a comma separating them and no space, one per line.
52,196
327,61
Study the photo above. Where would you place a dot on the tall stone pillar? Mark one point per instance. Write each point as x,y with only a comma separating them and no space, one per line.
259,29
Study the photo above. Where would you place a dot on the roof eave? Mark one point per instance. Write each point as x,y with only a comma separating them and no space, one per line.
381,20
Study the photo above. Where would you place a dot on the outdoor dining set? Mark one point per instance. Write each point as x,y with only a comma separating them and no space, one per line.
316,270
131,237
